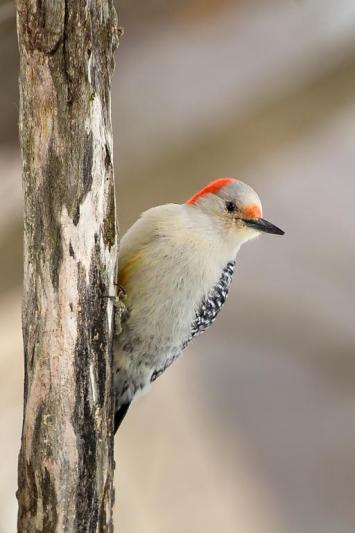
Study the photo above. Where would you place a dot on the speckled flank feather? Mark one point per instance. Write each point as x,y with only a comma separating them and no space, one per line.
214,302
207,313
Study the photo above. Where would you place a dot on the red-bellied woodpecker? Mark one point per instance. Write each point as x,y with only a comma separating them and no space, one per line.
176,265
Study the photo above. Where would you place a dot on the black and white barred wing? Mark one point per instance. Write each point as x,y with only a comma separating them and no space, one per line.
206,314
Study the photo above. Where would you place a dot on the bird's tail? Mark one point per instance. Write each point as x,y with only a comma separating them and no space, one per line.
119,415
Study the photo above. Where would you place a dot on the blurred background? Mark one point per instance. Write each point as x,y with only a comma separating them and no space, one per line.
253,430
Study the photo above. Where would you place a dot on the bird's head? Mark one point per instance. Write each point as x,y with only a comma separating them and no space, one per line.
235,207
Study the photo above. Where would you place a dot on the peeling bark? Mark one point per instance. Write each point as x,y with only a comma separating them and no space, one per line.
65,476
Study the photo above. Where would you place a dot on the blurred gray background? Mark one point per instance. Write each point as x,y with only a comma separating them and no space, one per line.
253,430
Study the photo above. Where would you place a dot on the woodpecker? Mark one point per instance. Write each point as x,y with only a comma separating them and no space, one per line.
176,264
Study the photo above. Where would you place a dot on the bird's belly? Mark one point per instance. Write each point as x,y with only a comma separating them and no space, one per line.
145,352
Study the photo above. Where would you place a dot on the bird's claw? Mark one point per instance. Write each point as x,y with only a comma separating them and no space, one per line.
121,291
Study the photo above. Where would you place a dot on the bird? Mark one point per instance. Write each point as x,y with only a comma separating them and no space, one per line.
175,267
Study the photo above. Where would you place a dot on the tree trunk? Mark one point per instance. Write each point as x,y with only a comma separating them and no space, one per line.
65,476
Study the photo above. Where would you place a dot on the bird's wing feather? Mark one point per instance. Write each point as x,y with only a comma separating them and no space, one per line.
208,310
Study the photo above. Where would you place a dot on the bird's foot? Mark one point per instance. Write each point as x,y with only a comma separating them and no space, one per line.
121,291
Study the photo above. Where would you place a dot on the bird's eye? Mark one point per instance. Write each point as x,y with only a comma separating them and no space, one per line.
231,207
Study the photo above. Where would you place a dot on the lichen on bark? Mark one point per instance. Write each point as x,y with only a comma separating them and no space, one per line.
65,479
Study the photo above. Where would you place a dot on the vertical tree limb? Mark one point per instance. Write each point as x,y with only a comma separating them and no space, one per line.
65,477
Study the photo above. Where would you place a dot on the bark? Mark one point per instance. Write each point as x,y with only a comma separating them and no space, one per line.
65,476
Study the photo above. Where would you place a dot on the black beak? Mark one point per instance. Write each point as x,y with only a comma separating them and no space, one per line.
263,225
